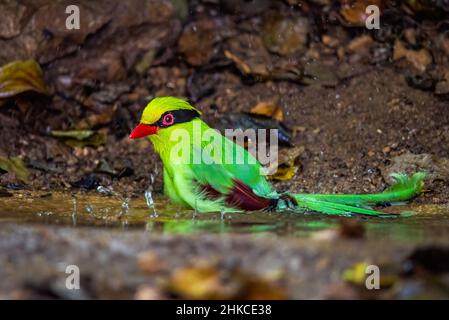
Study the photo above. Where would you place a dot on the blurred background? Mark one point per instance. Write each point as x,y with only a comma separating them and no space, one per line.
352,105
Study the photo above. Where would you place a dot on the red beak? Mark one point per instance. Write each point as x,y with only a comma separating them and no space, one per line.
143,130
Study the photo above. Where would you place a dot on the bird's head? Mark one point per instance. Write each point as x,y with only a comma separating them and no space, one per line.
161,113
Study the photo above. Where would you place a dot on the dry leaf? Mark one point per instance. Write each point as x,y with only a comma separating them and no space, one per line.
16,166
284,35
81,138
360,44
420,59
288,164
358,274
354,11
239,62
21,76
208,281
201,282
268,109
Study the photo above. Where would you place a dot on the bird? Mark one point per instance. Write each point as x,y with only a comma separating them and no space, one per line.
205,179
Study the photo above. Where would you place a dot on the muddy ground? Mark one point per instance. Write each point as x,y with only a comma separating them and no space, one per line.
361,103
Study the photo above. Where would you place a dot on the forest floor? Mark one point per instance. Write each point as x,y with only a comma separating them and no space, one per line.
358,105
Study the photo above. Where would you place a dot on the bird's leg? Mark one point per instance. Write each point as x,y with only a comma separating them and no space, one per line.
288,200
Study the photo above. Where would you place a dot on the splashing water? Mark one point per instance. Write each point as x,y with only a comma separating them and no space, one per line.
125,206
106,191
110,192
74,211
149,197
150,203
222,214
89,209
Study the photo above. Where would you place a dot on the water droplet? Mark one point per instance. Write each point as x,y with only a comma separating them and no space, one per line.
150,203
74,211
125,206
105,191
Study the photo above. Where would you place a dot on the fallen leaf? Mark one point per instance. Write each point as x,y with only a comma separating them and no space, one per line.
354,11
145,62
19,77
201,282
245,68
420,59
356,274
208,281
359,272
284,35
288,164
75,134
360,44
268,109
16,166
81,138
104,167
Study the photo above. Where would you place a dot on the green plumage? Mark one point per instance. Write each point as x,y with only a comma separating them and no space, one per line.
213,184
404,189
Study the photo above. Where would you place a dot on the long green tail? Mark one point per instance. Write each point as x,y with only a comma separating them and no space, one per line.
404,188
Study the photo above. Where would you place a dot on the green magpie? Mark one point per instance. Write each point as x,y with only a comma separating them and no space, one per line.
205,179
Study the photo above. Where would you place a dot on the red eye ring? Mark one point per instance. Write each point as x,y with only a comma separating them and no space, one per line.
168,119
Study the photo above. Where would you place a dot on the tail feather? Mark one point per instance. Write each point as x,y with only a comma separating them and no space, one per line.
404,188
335,208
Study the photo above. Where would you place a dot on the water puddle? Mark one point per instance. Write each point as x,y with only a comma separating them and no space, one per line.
156,215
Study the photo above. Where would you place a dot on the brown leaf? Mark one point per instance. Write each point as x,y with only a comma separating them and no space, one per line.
246,69
284,35
353,11
420,59
360,44
268,109
21,76
201,282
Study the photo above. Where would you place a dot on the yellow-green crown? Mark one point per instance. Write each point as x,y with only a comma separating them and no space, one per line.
159,105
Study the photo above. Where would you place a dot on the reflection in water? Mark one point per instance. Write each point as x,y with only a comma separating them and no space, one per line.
109,210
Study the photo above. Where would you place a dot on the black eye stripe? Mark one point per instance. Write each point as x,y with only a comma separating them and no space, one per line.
180,116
